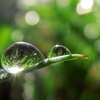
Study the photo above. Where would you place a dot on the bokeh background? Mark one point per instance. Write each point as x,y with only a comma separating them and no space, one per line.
45,23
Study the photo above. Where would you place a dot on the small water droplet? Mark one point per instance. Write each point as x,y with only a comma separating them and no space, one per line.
58,50
19,56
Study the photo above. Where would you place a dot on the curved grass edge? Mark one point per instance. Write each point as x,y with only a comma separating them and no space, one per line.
50,61
42,64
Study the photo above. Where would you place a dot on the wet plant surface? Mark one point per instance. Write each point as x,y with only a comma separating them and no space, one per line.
24,57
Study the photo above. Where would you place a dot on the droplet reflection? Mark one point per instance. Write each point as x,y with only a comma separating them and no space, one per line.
58,50
19,56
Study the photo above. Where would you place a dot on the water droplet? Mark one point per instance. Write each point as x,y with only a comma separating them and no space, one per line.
58,50
19,56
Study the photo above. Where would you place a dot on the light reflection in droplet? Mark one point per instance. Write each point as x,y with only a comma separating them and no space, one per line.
32,18
17,36
62,3
15,69
91,31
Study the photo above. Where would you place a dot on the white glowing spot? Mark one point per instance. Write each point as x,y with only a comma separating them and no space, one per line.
86,4
80,10
91,31
15,69
32,18
62,3
17,36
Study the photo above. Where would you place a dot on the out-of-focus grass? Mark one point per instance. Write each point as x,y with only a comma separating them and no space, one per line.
54,22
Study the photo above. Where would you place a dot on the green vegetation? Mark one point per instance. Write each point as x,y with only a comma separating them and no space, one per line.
45,23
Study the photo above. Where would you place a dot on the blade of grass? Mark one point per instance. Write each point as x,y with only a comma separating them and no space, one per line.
49,61
42,64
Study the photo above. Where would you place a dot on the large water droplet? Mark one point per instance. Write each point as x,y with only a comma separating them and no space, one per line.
19,56
58,50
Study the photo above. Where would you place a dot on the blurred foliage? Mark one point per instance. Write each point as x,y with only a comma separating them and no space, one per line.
45,23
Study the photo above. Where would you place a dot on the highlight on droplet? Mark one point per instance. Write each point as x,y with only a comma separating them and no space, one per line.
15,69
